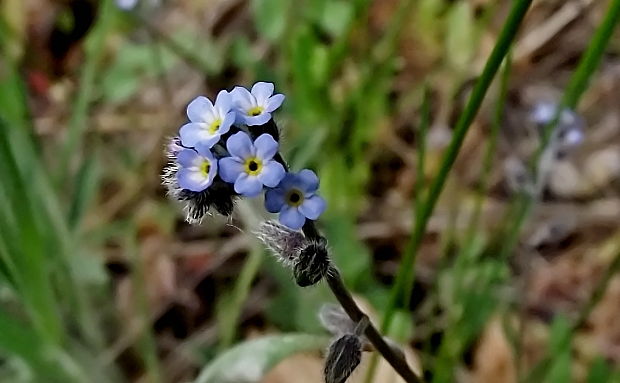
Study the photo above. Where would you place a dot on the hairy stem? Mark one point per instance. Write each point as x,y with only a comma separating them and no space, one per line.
344,297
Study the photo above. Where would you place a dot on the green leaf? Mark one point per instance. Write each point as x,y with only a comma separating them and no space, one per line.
460,38
599,371
248,362
270,18
336,17
561,369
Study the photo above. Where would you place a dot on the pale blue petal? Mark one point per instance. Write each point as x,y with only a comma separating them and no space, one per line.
242,99
274,102
193,180
307,181
266,147
230,169
312,207
204,149
188,158
261,119
227,123
223,103
292,218
193,133
200,110
262,91
288,181
274,200
271,173
240,145
248,186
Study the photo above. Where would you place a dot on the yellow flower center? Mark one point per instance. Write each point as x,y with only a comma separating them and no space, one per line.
294,197
215,125
253,166
255,111
205,167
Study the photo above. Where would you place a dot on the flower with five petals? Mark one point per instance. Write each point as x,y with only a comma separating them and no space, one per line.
251,164
295,199
207,121
255,107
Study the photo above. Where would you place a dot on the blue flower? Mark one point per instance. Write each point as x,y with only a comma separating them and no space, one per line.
255,107
208,121
197,168
251,165
295,199
126,5
570,128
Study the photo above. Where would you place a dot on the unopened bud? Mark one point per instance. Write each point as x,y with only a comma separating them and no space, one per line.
343,357
312,264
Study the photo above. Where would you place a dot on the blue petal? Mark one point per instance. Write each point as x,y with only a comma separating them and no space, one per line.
240,145
274,102
261,119
248,186
271,173
204,150
266,147
188,158
227,123
223,103
307,181
274,200
288,181
193,180
292,218
242,99
193,132
262,91
230,169
313,207
200,109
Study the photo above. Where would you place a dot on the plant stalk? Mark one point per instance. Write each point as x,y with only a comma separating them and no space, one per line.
344,297
405,276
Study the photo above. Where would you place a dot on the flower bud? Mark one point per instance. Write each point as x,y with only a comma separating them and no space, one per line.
344,355
312,264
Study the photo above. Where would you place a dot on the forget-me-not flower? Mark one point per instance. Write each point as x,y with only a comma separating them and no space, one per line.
570,128
126,5
251,164
207,121
255,107
295,199
197,168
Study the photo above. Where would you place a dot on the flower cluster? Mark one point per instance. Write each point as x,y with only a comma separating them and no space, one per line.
230,149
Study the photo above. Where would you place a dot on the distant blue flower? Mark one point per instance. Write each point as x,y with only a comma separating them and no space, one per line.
197,168
126,5
251,165
570,128
295,199
208,121
255,107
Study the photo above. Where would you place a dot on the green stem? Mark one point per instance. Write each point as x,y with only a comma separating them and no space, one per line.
240,293
78,121
490,149
418,190
405,277
146,343
575,89
540,371
587,66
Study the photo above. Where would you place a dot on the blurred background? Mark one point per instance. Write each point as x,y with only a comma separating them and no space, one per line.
101,279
